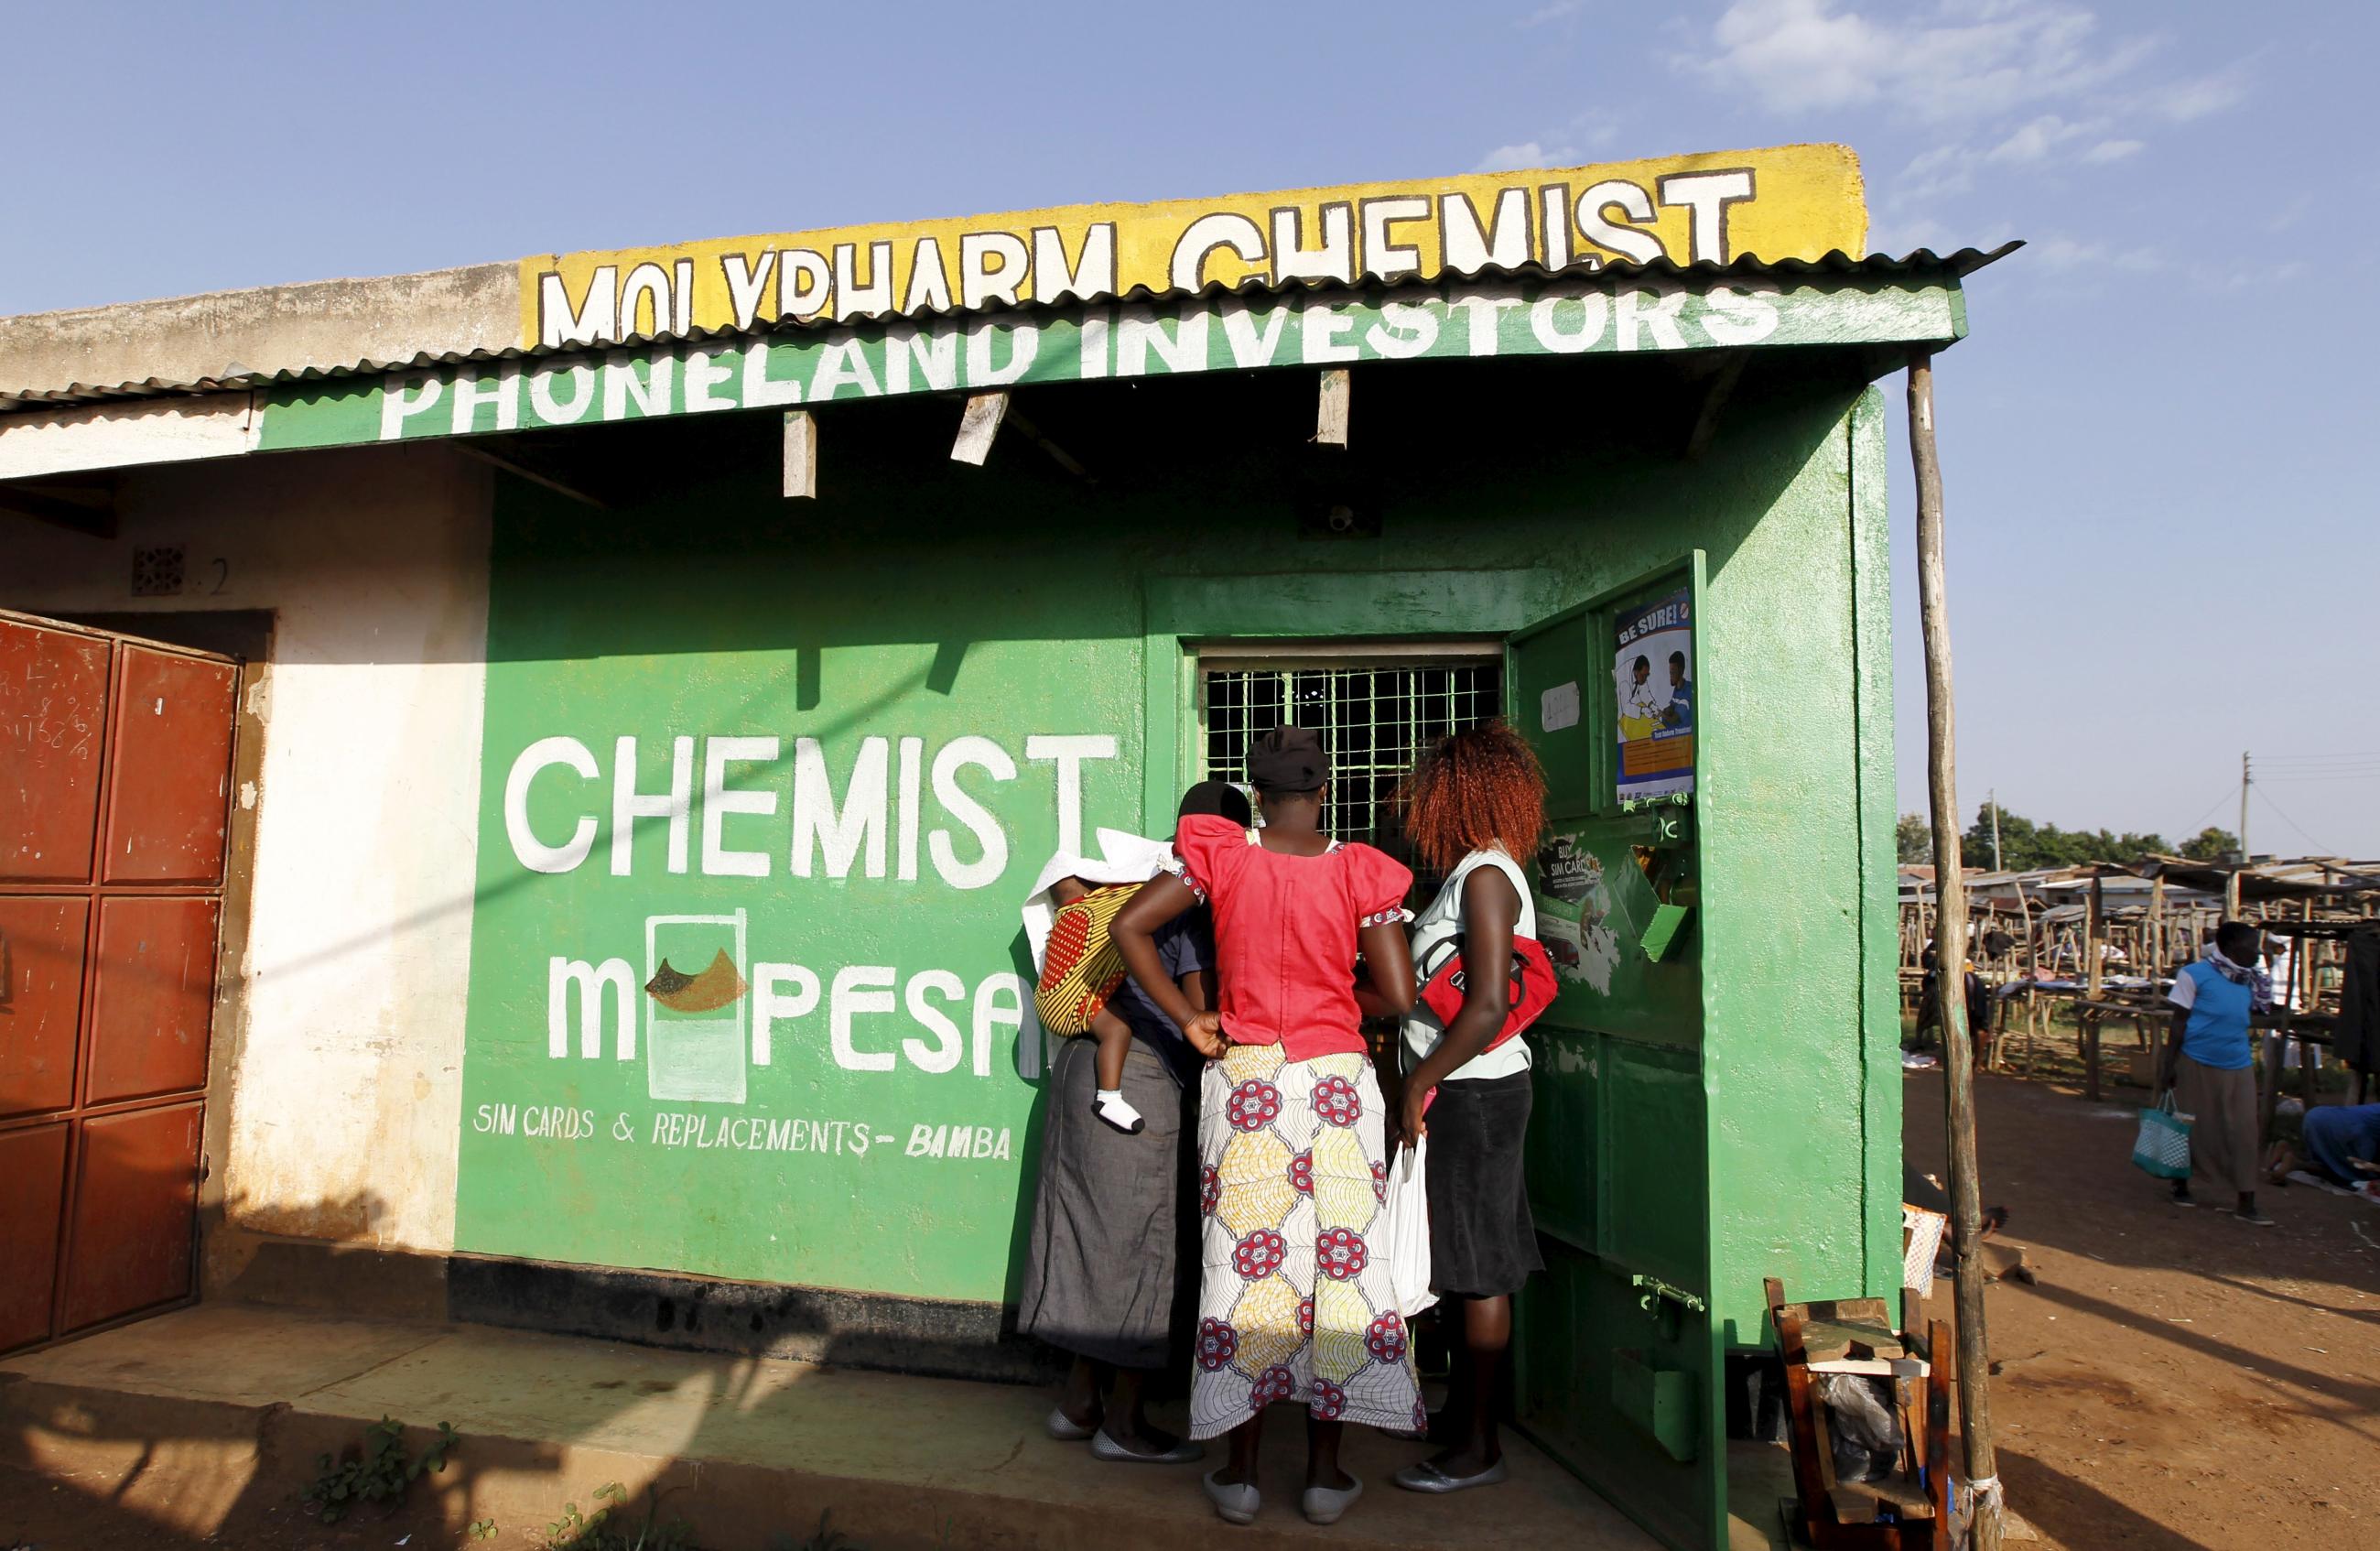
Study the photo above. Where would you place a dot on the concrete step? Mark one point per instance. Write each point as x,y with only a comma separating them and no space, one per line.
212,1416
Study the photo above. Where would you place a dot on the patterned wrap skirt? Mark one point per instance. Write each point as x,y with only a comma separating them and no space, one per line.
1293,1303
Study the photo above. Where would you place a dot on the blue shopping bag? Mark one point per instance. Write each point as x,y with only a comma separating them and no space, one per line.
2162,1148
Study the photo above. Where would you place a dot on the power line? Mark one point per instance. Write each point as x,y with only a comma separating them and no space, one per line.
2325,761
2293,823
2200,822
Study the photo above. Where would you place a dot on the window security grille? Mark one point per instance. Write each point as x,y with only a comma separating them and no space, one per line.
1375,718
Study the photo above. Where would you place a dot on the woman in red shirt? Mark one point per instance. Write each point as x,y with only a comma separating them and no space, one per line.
1293,1303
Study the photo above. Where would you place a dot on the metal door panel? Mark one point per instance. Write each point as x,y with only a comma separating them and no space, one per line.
1617,1366
135,1199
111,749
42,940
53,708
170,775
33,1166
152,995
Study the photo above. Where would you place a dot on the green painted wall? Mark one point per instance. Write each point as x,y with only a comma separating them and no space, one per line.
1803,1067
922,600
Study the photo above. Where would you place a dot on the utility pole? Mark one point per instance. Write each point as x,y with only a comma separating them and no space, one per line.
1992,796
2246,778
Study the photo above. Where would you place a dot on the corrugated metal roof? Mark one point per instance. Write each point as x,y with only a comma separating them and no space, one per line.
1963,262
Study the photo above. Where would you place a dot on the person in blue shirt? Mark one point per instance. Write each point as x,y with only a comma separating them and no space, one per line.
1679,717
2342,1143
2210,1066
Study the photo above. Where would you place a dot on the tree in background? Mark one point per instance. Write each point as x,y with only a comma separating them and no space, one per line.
2209,844
1914,835
2026,846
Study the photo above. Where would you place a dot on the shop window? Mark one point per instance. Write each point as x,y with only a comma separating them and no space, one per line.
1376,714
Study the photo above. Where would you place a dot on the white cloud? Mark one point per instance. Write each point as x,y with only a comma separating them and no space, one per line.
1968,60
1588,131
1504,158
2061,253
1555,12
2036,139
2002,88
2181,101
1946,169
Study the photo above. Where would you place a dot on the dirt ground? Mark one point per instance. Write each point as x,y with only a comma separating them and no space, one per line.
2176,1378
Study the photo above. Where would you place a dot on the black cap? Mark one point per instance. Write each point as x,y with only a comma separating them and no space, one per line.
1289,759
1216,798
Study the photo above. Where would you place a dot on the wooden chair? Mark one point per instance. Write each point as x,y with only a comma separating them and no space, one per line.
1908,1512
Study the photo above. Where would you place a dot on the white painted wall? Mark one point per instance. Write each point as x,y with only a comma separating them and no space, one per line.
345,1094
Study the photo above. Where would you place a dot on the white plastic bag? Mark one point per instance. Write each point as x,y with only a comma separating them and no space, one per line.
1406,1222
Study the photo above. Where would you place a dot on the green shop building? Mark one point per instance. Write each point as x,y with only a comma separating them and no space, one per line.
787,601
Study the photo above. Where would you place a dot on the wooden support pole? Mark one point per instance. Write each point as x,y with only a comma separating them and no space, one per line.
1715,397
2095,973
801,455
1949,888
2094,927
522,470
978,424
1330,420
1057,454
2157,928
2157,972
2268,1102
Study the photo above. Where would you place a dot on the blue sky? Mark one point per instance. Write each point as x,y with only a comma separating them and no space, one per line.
2158,445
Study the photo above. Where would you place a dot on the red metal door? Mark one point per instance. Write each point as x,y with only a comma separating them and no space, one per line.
116,760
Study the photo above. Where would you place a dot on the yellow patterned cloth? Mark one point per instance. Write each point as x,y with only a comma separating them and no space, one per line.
1080,968
1293,1305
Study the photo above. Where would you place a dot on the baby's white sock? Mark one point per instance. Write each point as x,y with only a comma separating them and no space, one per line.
1111,1109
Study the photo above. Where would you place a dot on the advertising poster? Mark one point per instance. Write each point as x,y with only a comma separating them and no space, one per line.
1653,670
1574,913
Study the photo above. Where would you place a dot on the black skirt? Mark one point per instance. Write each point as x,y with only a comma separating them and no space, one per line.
1483,1244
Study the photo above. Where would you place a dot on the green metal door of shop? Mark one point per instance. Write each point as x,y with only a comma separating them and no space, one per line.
1618,1368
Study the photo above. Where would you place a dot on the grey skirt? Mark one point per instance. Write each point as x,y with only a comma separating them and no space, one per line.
1103,1269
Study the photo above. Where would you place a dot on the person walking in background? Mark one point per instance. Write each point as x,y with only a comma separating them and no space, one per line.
1929,1006
2208,1066
1474,805
1295,1301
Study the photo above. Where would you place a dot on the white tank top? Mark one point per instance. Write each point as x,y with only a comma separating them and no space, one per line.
1437,927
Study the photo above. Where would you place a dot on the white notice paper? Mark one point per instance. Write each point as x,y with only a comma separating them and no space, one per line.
1558,707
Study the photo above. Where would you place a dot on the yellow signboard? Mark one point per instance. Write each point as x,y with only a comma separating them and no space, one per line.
1790,202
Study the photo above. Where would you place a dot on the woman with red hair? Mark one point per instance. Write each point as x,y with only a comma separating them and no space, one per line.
1473,808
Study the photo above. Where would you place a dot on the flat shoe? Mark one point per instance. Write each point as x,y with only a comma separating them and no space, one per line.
1064,1428
1325,1505
1428,1477
1114,1453
1236,1504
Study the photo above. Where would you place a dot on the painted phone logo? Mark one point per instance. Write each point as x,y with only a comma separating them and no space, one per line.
710,1013
695,1024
